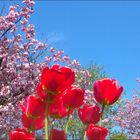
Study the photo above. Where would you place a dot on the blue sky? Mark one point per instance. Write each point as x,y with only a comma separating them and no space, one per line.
106,33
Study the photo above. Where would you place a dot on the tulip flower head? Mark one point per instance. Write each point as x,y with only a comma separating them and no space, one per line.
33,107
34,110
107,91
96,132
57,135
31,123
57,79
89,114
73,97
21,134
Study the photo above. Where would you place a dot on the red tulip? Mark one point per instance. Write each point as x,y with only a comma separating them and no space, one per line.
44,95
107,91
73,97
21,134
33,107
33,123
55,80
57,135
57,109
89,114
96,132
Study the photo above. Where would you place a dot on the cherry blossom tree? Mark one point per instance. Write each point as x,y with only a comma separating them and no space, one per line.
22,58
128,116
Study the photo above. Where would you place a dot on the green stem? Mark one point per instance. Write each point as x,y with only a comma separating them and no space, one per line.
46,127
66,127
85,126
52,126
47,119
103,107
67,124
85,135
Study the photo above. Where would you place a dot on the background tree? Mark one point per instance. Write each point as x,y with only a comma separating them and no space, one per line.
118,136
22,58
127,117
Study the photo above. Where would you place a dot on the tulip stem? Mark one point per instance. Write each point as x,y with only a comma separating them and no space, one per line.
67,123
52,126
47,119
103,107
85,135
46,127
66,127
52,123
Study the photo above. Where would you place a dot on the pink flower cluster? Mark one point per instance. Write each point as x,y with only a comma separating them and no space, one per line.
20,66
128,117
